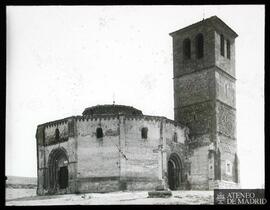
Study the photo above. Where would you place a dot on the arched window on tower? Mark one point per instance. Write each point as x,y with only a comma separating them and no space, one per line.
99,133
186,49
228,49
144,132
222,45
199,45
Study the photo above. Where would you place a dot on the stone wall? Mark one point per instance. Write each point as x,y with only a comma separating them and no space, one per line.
217,184
226,120
47,145
142,169
141,160
199,168
200,118
225,88
98,157
121,160
97,185
228,149
194,88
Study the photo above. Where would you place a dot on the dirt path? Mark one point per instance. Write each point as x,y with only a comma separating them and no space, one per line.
117,198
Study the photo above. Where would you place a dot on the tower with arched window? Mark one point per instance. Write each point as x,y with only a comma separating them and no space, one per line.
116,147
204,100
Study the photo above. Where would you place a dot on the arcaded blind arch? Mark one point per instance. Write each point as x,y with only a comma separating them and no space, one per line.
199,45
222,45
186,49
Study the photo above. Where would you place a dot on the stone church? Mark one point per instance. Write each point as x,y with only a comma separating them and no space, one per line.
117,147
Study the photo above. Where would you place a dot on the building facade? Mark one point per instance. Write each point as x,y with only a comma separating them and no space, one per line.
204,100
110,148
116,147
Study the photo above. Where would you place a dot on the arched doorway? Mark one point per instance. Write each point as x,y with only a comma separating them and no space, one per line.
58,170
174,172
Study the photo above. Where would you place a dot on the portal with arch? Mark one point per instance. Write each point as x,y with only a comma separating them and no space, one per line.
58,170
175,171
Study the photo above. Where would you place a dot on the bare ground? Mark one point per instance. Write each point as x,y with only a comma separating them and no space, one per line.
12,193
27,197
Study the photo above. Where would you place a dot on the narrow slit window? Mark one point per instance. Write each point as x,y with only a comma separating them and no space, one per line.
222,45
186,49
227,90
99,133
228,49
144,133
236,168
175,137
57,134
217,168
228,168
199,46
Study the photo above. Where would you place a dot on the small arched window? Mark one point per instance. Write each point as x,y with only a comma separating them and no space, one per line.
222,45
144,133
228,167
199,46
228,49
57,134
175,137
186,49
99,133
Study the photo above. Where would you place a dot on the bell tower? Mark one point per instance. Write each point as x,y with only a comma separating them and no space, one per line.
204,100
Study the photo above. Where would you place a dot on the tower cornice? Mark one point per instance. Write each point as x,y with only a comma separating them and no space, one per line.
214,21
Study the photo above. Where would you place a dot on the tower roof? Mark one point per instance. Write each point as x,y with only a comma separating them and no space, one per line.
214,21
111,109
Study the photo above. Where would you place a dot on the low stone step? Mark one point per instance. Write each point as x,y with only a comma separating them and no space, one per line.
160,194
160,188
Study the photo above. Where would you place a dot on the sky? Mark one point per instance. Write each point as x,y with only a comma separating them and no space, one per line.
62,59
